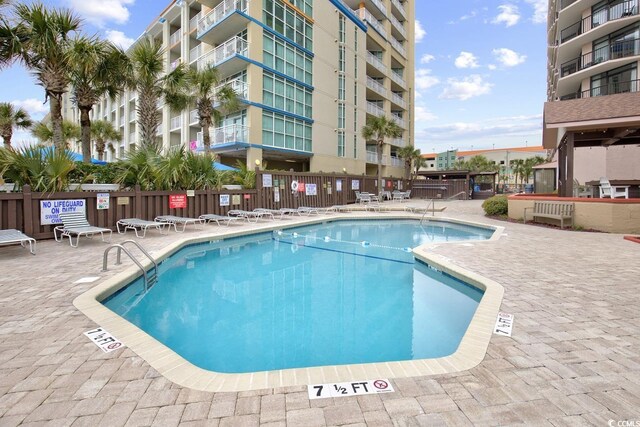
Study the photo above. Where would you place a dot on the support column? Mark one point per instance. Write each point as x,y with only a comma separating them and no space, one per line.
565,166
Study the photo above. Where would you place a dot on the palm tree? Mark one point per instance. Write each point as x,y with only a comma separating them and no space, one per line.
517,166
529,163
102,132
151,85
97,68
377,129
410,154
44,132
202,88
40,41
10,118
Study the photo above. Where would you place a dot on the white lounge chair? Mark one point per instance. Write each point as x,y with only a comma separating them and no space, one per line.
613,191
173,220
218,219
307,210
12,236
249,216
137,225
282,212
76,224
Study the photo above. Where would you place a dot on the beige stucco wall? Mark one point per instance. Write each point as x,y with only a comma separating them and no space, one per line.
617,162
611,217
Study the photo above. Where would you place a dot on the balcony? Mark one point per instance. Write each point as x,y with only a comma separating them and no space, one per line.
618,11
193,22
240,87
195,53
224,19
376,86
372,157
224,53
566,3
399,121
376,62
398,46
366,16
175,123
132,116
193,118
175,38
616,50
121,121
396,77
612,88
398,26
398,142
229,134
374,109
396,162
400,8
398,100
381,7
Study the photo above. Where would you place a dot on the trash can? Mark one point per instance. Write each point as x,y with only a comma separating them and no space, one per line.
528,188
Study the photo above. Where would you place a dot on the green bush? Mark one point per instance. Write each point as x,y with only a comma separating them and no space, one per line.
496,206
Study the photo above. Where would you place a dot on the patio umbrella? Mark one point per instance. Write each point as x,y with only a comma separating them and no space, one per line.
222,167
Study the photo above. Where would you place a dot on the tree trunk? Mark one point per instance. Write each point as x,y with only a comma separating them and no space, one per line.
55,109
100,145
206,135
380,143
7,140
85,134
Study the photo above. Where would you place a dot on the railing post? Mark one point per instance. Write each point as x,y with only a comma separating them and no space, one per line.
138,201
27,210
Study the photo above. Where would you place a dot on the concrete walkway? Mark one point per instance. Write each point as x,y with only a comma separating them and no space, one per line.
574,358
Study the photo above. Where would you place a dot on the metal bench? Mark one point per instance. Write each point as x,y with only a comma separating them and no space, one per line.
554,210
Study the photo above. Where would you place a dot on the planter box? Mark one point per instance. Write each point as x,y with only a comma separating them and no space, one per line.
94,187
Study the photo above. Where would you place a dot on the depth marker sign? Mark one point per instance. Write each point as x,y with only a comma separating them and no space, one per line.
504,324
355,388
104,340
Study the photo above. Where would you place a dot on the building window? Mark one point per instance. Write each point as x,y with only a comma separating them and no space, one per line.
286,95
287,59
340,143
288,22
341,28
341,114
286,132
355,146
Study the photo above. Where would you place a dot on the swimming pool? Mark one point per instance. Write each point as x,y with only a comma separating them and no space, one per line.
341,292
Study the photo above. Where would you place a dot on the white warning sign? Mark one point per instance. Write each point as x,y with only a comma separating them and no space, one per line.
104,340
504,324
355,388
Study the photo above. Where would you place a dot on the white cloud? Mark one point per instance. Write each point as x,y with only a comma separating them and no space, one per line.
422,114
34,107
466,60
508,57
419,32
119,38
509,15
99,12
466,88
426,58
539,11
515,126
492,67
424,79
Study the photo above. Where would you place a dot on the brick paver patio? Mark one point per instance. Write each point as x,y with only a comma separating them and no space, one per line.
574,358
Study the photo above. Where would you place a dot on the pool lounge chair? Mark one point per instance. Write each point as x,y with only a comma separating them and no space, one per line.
137,225
173,220
282,212
76,224
208,218
12,236
307,210
249,216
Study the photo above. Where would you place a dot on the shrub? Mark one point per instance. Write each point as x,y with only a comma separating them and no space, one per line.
496,206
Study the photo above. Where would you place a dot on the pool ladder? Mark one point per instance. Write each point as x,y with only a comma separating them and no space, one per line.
150,279
426,210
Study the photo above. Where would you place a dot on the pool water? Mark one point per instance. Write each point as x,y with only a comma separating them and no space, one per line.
335,293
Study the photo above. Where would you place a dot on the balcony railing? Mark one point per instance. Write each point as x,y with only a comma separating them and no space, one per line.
366,16
234,46
398,100
399,121
618,11
174,38
398,79
132,116
611,88
121,121
401,8
219,12
193,22
397,162
227,134
376,62
398,46
616,50
398,142
381,7
566,3
193,117
376,86
398,25
176,123
372,157
240,87
374,109
195,53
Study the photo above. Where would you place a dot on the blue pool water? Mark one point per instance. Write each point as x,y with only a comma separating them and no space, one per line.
329,294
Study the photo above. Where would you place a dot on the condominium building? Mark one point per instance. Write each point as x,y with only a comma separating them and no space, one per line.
593,89
308,73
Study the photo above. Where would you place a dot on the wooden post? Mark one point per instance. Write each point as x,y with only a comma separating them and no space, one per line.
569,173
138,201
27,210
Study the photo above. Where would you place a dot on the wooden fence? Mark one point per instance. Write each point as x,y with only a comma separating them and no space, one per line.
274,190
440,189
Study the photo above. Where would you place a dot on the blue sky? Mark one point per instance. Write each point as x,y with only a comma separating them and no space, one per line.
480,67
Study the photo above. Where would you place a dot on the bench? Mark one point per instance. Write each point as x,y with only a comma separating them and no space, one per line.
554,210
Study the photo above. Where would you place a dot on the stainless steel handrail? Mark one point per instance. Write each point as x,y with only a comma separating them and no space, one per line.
121,248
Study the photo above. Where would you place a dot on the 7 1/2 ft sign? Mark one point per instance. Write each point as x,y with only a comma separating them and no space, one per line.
354,388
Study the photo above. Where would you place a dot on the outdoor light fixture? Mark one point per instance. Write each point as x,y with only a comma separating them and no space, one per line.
257,162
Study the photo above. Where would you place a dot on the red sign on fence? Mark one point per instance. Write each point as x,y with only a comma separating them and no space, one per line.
177,201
